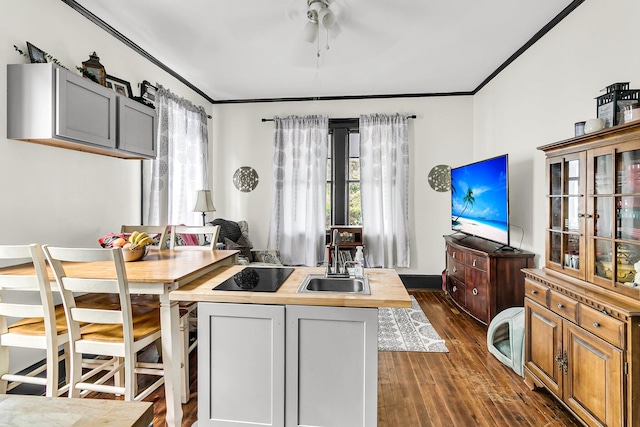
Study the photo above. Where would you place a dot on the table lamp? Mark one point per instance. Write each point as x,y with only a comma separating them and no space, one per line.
204,204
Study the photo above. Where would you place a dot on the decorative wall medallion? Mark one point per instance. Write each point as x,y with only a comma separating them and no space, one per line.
440,178
245,179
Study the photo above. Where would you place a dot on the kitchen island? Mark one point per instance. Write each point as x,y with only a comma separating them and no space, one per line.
286,358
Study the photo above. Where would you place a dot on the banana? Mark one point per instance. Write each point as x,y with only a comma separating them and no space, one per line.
146,241
140,237
132,237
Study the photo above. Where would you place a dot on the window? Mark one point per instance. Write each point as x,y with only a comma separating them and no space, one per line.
343,173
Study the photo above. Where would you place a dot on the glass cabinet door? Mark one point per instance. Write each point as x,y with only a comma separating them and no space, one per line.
565,242
614,198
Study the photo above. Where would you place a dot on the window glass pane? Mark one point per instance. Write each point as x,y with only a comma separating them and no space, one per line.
355,207
328,206
573,177
354,169
354,145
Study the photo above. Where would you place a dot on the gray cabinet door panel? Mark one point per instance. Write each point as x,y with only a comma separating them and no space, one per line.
85,111
136,127
240,365
332,366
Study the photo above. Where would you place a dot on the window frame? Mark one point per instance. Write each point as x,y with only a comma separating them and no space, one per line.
339,131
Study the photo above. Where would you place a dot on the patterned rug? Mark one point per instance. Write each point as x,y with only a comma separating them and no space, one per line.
407,329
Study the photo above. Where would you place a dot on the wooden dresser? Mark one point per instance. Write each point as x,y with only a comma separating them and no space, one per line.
582,310
483,281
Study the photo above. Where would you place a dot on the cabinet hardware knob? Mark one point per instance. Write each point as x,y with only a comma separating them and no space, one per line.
560,305
596,324
533,291
453,254
474,263
454,289
455,270
475,291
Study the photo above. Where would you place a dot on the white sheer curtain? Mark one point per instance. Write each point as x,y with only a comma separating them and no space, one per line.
171,181
384,180
297,226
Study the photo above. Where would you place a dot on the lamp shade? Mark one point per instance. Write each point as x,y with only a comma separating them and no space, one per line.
204,203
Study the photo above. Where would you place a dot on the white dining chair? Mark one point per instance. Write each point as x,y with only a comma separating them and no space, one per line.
39,325
188,313
118,331
205,233
151,230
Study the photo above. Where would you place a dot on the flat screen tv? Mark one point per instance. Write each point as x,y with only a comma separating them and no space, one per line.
480,199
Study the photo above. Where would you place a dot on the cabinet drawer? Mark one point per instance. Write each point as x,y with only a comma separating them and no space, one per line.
562,305
536,292
456,269
458,292
476,261
602,325
455,253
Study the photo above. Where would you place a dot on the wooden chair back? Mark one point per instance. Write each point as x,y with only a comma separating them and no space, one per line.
151,230
118,330
36,327
209,232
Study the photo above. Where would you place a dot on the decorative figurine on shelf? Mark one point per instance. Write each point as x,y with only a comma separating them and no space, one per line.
93,69
636,279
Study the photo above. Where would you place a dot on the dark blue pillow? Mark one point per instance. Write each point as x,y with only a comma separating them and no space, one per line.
228,230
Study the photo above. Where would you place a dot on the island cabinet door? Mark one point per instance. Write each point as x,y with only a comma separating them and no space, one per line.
240,365
332,366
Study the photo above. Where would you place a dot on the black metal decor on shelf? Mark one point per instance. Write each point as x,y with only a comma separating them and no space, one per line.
610,105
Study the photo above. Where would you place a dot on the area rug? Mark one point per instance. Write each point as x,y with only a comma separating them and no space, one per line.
407,329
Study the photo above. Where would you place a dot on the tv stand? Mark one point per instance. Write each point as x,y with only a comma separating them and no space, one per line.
481,280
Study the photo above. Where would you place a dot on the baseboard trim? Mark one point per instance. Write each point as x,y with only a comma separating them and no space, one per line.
422,281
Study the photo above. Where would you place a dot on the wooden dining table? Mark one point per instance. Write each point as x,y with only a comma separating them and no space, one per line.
159,273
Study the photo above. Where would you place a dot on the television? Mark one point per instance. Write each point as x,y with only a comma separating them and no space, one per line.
480,199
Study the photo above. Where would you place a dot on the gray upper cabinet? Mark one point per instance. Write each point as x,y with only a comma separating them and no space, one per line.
50,105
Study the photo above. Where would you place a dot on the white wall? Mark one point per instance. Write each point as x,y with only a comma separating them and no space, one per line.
53,195
441,134
538,98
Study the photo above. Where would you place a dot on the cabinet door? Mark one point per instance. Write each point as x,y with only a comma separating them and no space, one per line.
614,231
240,365
85,111
566,214
476,298
136,127
332,366
543,353
594,387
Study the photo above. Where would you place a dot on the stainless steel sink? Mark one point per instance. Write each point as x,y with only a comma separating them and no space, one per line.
340,285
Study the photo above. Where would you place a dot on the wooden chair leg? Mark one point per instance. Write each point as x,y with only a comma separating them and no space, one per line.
184,358
4,368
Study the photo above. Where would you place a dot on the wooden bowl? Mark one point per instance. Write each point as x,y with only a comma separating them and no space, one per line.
136,254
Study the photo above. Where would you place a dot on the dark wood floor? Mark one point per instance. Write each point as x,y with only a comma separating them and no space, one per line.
465,387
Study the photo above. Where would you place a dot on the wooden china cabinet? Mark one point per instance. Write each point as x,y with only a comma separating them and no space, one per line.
582,309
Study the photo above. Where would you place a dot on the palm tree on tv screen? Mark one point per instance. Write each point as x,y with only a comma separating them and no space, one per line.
468,200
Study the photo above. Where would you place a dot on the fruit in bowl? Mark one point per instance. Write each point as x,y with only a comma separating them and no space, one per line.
137,246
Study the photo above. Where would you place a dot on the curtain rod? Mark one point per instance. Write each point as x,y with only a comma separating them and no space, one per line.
408,117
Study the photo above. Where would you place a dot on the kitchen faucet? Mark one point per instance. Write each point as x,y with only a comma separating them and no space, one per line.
336,269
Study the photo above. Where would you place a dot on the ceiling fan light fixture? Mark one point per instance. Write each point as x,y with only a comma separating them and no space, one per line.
311,31
326,18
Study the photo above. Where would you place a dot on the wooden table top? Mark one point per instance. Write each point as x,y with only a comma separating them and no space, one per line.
387,290
20,410
157,267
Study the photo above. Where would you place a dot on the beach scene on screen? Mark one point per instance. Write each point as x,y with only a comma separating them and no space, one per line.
479,200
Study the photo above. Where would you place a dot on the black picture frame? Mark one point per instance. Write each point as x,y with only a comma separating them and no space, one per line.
36,55
148,92
120,86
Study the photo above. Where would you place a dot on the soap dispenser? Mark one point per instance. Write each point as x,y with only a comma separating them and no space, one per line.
358,267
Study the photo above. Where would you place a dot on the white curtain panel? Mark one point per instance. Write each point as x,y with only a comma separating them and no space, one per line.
171,181
384,180
297,227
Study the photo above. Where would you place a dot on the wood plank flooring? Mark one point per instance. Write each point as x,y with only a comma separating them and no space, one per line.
465,387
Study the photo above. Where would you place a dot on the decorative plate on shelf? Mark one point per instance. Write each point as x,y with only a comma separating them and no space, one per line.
440,178
245,179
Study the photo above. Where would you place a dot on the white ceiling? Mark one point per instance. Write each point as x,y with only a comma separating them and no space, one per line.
254,49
